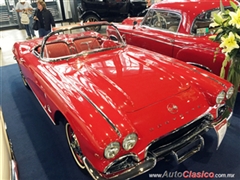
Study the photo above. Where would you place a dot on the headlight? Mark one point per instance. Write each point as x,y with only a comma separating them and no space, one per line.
220,97
230,92
129,141
111,150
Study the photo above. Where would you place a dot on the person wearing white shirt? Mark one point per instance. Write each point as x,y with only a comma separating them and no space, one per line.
25,7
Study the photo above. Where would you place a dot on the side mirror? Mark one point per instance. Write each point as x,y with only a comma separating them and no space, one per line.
134,24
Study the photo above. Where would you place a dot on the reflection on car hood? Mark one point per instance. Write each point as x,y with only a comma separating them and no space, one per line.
126,77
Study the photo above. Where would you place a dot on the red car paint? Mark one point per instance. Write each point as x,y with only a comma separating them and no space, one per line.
137,90
182,44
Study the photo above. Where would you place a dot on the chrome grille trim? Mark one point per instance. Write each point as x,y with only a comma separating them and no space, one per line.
182,127
119,159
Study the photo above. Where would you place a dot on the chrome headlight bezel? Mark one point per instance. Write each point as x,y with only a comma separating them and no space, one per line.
220,97
230,92
130,141
112,150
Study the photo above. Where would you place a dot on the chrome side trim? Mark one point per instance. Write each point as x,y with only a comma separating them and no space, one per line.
102,113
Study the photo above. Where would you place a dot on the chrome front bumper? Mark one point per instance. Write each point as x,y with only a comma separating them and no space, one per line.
137,170
180,149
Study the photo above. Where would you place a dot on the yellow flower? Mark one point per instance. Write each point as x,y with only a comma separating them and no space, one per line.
229,43
235,18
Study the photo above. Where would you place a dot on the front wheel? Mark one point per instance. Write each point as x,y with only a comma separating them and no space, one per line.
92,18
74,146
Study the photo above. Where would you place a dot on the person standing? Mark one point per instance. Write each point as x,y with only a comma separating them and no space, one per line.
24,7
44,17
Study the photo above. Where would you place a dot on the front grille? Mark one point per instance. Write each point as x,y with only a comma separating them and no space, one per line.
121,164
179,138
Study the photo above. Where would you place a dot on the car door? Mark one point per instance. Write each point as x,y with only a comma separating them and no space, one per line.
157,31
98,6
117,7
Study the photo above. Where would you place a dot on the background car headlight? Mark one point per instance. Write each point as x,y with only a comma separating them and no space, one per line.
220,97
111,150
230,92
130,141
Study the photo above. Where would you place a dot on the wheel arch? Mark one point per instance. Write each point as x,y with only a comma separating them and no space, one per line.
201,57
59,118
200,66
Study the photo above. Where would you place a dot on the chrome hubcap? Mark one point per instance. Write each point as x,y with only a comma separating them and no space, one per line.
74,146
94,28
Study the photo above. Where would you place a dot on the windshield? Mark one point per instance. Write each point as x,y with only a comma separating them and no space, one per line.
76,40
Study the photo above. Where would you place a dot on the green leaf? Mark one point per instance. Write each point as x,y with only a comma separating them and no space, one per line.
227,58
234,6
224,63
222,73
221,6
233,53
219,35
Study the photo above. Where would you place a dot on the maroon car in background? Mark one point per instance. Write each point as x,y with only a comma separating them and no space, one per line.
178,29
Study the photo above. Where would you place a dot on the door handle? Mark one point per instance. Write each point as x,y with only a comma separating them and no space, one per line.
171,40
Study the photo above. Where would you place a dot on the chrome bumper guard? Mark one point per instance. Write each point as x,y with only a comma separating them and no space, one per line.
180,149
137,170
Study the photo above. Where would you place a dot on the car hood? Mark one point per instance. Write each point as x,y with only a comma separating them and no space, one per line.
125,78
134,88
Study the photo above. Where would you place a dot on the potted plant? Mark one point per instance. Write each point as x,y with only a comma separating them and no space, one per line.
227,33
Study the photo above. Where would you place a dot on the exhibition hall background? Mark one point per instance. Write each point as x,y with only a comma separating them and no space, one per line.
62,10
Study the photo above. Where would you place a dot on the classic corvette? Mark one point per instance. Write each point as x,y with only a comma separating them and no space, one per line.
8,165
123,107
178,29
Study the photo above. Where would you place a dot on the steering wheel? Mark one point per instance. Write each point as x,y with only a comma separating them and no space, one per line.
159,21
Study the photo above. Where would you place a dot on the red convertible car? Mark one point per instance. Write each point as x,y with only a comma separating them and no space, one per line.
124,107
178,29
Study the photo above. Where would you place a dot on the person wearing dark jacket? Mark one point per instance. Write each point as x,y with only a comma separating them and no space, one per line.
44,18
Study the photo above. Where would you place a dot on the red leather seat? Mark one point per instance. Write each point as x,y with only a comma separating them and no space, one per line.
57,49
86,44
108,44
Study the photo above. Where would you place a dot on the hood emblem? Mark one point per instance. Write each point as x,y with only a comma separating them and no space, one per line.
172,108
